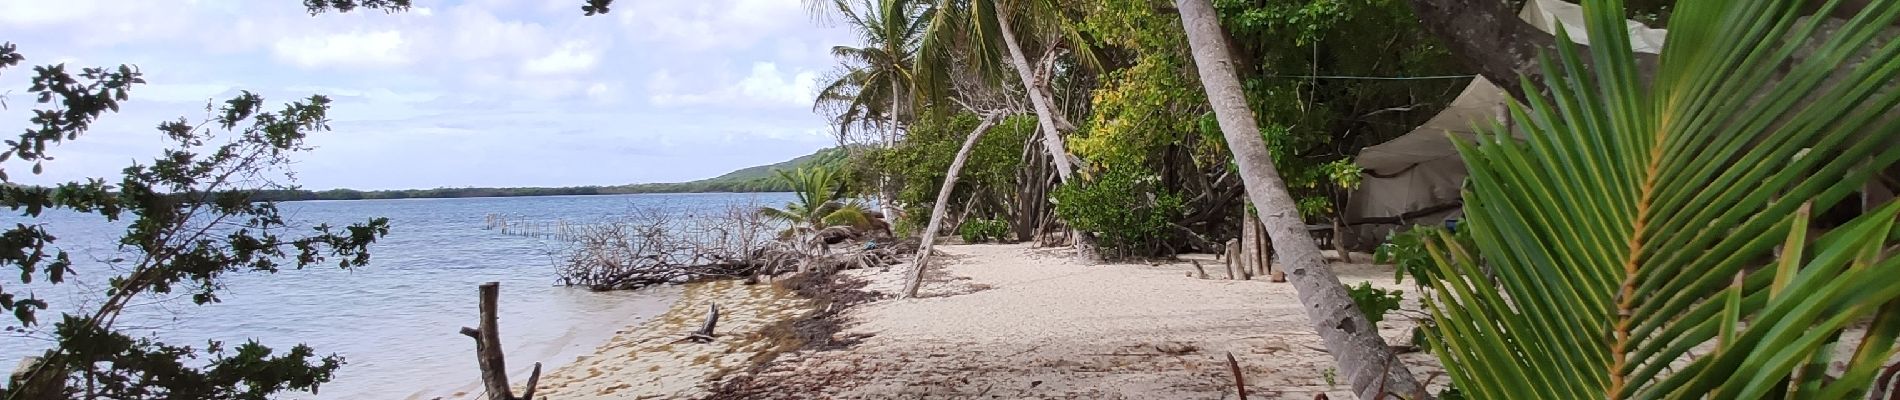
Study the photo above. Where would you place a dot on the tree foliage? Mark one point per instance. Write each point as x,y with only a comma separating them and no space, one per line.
1126,209
1313,125
190,220
821,202
988,180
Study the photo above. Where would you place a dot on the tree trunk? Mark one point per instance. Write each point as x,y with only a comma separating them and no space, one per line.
1250,246
488,350
886,193
1085,247
915,278
1488,36
1045,115
1362,355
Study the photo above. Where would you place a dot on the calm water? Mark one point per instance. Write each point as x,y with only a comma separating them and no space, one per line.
394,322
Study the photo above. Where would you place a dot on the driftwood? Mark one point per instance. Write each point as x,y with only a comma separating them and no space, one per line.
705,332
1198,271
649,247
1240,384
1234,260
488,350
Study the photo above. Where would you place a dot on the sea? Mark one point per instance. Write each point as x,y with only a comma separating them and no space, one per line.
395,321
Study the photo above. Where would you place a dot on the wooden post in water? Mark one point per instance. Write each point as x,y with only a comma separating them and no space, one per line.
488,350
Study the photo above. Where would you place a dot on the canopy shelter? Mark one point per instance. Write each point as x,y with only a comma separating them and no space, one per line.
1415,178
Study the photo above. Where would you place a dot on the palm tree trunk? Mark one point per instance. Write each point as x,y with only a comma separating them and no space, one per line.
915,277
1045,116
1362,355
886,194
1085,247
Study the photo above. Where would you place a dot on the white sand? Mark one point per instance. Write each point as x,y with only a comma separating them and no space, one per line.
1010,321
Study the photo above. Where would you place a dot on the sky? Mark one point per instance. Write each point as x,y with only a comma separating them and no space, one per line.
452,93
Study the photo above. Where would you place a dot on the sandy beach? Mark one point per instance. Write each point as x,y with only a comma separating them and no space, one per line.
649,361
998,321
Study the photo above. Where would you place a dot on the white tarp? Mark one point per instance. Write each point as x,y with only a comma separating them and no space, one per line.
1417,176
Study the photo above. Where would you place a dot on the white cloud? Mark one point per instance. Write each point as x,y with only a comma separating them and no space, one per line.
766,83
571,58
766,86
354,49
734,73
711,25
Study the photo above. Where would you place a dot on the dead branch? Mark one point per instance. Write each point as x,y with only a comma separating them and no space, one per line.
488,349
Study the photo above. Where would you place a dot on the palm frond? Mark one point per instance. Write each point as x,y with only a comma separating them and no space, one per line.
1630,226
848,214
781,215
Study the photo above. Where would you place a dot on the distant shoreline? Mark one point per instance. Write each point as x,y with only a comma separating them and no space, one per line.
757,179
471,193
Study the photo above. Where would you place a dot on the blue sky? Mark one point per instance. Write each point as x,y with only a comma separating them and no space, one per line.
452,93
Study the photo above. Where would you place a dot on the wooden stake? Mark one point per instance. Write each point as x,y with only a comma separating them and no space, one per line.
1240,384
488,353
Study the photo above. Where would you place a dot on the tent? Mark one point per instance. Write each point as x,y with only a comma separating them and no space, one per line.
1415,178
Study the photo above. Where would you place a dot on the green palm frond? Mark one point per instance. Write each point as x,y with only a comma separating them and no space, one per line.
847,214
781,215
1633,232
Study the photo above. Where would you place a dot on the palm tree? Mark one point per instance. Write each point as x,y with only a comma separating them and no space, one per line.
1652,239
1369,364
820,209
876,74
879,72
989,29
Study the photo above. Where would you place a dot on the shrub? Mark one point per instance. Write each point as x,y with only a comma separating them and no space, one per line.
984,230
1406,250
1375,302
1124,208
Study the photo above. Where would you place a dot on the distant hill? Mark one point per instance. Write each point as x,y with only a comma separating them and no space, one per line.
746,180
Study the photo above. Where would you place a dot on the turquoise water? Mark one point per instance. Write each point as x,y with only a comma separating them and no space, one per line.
394,322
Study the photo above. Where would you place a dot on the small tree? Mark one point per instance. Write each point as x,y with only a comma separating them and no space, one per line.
821,208
192,219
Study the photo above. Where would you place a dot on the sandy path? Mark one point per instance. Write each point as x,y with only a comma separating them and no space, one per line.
1009,321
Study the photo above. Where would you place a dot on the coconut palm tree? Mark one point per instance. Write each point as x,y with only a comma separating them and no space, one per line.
819,210
1369,365
1626,232
876,74
879,72
989,30
1652,240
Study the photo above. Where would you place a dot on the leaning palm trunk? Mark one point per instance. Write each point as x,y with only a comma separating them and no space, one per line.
1363,356
1085,247
1045,115
915,277
1633,230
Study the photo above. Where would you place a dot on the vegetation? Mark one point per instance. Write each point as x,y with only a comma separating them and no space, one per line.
919,162
191,220
1375,302
983,230
1409,253
820,207
1126,209
1684,217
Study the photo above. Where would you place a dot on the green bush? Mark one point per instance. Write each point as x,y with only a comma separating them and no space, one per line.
1407,252
1375,302
983,230
1124,208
